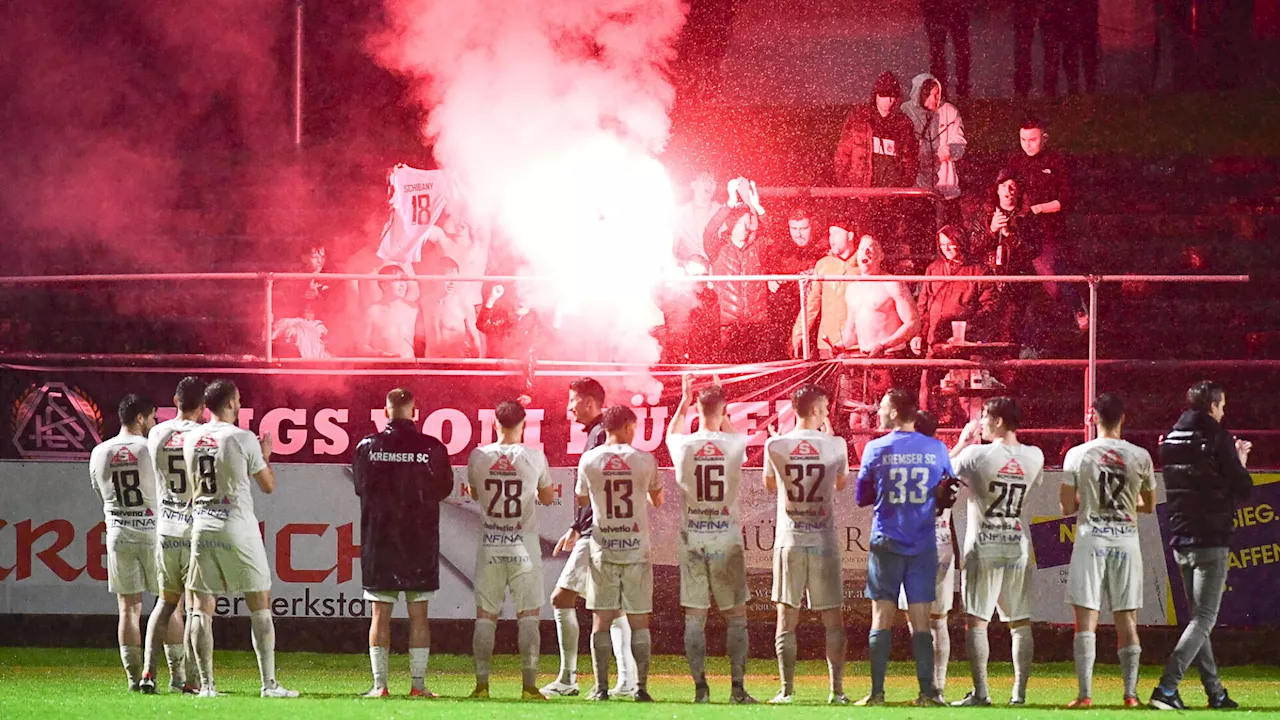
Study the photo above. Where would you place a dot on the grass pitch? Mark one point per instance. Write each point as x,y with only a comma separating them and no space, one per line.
48,683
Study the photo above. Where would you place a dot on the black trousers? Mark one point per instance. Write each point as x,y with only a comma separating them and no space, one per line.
942,19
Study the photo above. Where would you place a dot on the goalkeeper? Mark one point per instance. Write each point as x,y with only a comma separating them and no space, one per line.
903,475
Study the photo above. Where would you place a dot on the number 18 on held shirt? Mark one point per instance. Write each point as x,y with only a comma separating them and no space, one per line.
900,473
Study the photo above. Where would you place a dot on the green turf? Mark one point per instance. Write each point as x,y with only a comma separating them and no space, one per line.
45,683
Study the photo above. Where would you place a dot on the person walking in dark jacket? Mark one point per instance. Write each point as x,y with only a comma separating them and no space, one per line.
401,477
1204,476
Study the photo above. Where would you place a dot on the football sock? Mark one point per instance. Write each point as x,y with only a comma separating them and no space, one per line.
482,648
736,639
1129,657
1023,651
567,633
379,659
835,657
157,623
640,649
264,645
530,641
620,637
922,650
601,652
1086,649
941,652
131,658
201,631
785,645
979,651
175,657
695,646
878,643
419,657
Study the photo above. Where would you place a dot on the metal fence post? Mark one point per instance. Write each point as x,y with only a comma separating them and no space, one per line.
269,316
803,319
1091,370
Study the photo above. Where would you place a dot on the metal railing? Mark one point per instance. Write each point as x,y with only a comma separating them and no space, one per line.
1089,365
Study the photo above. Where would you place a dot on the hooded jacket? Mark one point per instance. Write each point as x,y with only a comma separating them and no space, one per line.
877,151
942,302
401,477
741,302
934,130
1203,479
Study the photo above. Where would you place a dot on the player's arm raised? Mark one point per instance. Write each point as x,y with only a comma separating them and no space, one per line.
264,476
970,432
676,426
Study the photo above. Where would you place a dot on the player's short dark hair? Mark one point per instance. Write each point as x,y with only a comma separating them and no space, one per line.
217,397
1204,395
805,398
1110,409
926,423
400,398
618,417
711,398
1005,409
1034,122
133,405
589,388
190,393
392,271
509,414
905,403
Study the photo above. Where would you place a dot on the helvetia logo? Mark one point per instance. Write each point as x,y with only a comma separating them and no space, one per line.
54,421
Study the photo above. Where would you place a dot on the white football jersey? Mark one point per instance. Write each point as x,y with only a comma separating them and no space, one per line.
1108,474
999,477
806,464
709,474
224,459
124,478
505,480
942,536
416,197
173,485
617,478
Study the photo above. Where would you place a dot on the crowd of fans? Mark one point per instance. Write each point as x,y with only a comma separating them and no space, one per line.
959,228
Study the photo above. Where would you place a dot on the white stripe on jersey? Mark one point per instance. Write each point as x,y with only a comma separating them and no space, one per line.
806,464
505,480
708,469
1108,474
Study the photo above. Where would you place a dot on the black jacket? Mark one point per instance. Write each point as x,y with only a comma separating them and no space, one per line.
1203,479
595,438
401,476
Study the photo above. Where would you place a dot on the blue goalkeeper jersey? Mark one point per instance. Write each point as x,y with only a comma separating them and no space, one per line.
899,474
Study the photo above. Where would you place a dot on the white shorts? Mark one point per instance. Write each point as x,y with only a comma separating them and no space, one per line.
131,566
808,577
494,574
392,596
946,590
576,576
175,563
989,584
224,563
615,586
713,574
1107,569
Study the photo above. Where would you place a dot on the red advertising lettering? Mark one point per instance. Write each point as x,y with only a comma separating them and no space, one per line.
65,534
284,553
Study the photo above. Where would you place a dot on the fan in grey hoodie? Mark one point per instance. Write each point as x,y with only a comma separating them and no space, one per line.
940,132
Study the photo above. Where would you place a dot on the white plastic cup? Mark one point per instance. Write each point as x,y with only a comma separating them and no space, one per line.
958,328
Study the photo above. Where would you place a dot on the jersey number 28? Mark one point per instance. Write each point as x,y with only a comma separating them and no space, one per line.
508,491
